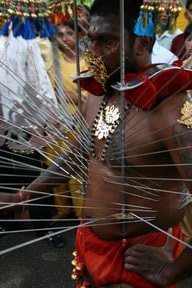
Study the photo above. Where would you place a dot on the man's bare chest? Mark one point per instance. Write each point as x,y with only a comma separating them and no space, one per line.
133,136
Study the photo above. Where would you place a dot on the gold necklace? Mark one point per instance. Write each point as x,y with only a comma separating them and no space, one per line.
106,121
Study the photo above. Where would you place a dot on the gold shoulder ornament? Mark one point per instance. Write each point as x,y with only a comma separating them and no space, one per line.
186,111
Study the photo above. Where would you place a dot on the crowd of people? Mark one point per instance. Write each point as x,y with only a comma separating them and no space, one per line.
59,57
134,201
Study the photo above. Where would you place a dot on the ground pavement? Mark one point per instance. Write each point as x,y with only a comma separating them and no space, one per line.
36,265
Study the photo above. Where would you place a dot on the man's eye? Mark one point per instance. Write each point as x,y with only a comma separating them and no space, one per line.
106,41
69,33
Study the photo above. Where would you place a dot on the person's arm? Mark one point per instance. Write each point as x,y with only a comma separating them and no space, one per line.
157,265
11,201
61,169
9,198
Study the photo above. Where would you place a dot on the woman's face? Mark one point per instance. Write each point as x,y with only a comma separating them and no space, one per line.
66,38
188,45
83,19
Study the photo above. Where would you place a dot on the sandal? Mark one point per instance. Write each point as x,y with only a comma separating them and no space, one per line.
55,240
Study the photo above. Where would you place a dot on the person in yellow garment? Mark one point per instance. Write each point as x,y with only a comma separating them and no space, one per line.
67,59
68,194
181,20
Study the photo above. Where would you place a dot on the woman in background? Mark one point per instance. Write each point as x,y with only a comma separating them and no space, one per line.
188,45
68,194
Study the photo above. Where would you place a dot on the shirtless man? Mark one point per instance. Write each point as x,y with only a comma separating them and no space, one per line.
127,206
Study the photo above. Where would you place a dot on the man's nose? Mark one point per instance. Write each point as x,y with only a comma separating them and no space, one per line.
64,38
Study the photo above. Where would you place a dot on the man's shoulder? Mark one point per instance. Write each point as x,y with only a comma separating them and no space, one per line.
171,104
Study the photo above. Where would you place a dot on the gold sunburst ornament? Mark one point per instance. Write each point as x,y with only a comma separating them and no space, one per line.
107,122
186,111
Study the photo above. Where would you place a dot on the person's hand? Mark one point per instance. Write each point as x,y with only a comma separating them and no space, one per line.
151,262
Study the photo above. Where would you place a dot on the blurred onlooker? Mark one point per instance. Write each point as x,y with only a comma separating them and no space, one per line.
46,49
17,171
182,22
188,45
178,47
68,196
9,209
83,15
67,58
24,117
42,208
162,55
164,37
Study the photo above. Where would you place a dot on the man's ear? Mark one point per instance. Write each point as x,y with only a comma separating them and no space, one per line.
144,44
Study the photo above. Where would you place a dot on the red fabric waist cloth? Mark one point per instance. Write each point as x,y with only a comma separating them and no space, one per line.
104,259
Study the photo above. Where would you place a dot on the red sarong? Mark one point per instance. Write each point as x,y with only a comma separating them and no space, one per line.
104,260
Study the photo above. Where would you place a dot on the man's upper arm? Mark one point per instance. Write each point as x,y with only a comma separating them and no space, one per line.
177,136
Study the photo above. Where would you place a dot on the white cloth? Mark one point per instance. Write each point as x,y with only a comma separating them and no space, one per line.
166,38
162,55
27,98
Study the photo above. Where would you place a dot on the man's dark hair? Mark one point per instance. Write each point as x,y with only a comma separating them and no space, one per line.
188,31
188,3
112,7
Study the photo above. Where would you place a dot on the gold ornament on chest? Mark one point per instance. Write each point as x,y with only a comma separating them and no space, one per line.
186,111
108,122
